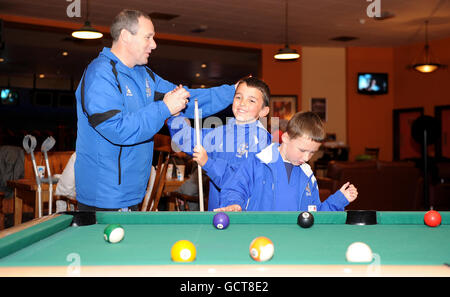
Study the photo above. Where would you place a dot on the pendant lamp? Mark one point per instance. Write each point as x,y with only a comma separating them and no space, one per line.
425,62
87,31
286,53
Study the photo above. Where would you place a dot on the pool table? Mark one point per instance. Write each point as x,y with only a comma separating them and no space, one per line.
52,246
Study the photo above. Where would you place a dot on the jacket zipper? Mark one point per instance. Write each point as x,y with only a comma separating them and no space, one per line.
120,171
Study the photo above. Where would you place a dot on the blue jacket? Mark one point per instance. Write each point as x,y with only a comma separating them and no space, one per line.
227,147
119,109
255,186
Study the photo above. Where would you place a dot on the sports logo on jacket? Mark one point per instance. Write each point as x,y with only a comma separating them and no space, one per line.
308,190
242,150
128,91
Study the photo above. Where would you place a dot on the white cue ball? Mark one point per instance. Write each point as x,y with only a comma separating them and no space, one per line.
359,252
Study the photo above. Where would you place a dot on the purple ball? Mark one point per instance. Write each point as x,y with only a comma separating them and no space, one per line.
221,220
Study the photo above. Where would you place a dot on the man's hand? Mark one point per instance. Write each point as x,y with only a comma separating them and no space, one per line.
350,192
176,99
233,207
200,155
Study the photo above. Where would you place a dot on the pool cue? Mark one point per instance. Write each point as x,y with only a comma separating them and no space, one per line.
200,180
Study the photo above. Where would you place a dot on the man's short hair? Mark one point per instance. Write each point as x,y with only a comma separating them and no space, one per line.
260,85
306,124
127,19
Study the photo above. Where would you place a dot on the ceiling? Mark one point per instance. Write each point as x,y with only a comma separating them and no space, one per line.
310,23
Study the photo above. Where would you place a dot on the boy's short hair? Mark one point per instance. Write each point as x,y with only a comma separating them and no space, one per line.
260,85
306,124
127,19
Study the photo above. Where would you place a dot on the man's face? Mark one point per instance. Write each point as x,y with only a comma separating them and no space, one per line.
248,104
298,150
142,43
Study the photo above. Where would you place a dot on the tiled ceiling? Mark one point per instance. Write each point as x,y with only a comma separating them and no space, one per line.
310,23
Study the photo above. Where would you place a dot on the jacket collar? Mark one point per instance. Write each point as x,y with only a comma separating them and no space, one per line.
232,122
107,52
270,154
119,65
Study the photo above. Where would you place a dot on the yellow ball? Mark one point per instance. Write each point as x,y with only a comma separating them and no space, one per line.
183,251
261,249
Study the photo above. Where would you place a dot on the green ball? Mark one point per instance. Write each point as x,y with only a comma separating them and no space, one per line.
113,233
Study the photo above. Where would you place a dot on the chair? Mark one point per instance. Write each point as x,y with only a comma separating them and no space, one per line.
11,168
184,198
155,188
372,151
71,202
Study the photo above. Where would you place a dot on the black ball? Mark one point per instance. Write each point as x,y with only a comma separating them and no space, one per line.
305,219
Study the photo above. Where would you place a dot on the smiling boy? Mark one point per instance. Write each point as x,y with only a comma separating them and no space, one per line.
225,147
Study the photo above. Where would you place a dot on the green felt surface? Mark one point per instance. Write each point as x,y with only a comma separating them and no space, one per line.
399,238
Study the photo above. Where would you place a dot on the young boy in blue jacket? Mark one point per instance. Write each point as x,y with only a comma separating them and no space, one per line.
224,148
279,179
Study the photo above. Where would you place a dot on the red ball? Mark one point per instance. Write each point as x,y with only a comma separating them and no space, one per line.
432,218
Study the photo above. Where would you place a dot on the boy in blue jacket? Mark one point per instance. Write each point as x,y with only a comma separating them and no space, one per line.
279,179
224,148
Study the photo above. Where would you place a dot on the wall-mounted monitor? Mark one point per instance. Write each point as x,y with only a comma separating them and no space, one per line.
8,96
372,83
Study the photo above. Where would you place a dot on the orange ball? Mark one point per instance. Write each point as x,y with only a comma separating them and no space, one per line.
432,218
261,249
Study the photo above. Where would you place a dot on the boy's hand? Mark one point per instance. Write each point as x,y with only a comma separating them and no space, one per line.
350,192
200,155
234,207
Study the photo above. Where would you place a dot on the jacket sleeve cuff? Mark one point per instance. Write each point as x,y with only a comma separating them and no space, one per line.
165,112
339,199
208,165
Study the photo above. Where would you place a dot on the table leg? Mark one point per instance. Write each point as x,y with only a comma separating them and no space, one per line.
171,203
17,209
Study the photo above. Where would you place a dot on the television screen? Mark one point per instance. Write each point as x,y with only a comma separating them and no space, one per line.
372,83
9,97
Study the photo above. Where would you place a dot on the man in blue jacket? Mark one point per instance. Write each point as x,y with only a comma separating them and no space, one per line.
121,105
279,179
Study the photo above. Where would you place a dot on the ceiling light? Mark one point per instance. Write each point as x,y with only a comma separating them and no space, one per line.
87,31
286,53
41,75
427,62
